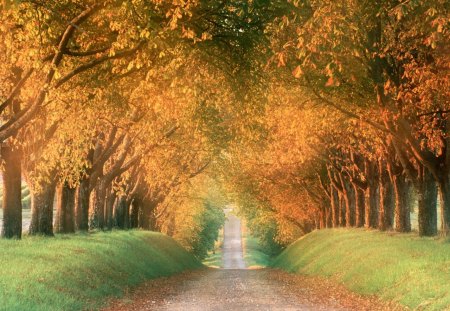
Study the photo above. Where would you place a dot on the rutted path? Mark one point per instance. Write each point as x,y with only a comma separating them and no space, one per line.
236,288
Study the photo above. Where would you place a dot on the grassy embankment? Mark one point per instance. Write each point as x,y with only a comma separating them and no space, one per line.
254,255
79,272
412,271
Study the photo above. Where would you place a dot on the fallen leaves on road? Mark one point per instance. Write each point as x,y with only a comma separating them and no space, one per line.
264,289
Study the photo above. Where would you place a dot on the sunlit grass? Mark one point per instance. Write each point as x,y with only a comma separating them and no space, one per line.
404,268
79,272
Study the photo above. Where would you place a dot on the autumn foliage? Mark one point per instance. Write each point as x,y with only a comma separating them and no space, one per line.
309,114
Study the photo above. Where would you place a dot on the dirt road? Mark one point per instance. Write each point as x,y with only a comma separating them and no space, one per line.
232,255
236,288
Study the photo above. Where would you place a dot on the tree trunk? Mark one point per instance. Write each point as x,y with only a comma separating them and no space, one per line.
371,212
65,209
83,205
402,217
110,202
144,215
371,217
359,206
134,213
386,210
444,200
347,207
121,213
127,214
322,218
152,216
42,209
349,198
12,193
97,203
329,221
334,206
342,207
427,201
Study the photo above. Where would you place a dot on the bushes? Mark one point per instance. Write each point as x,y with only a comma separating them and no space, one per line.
210,221
265,230
198,229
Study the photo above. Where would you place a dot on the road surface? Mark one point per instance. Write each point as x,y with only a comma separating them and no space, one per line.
236,288
232,255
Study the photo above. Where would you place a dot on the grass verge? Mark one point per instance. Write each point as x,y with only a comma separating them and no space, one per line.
404,268
254,255
80,271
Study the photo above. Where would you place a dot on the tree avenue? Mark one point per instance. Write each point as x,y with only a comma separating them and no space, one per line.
153,114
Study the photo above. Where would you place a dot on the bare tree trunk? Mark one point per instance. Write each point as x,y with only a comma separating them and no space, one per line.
42,209
349,198
134,213
12,191
83,205
152,219
322,219
127,214
329,220
144,215
110,202
65,209
334,206
342,207
402,218
97,203
385,215
371,212
350,208
427,201
444,200
121,213
359,206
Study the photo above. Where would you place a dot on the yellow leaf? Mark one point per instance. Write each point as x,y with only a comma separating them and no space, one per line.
298,72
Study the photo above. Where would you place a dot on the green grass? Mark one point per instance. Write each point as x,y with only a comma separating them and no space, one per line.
79,272
214,260
254,256
412,271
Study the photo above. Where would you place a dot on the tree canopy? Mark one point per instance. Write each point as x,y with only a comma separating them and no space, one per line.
152,114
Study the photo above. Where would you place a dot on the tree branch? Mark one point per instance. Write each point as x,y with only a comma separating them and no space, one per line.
86,53
57,58
96,62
